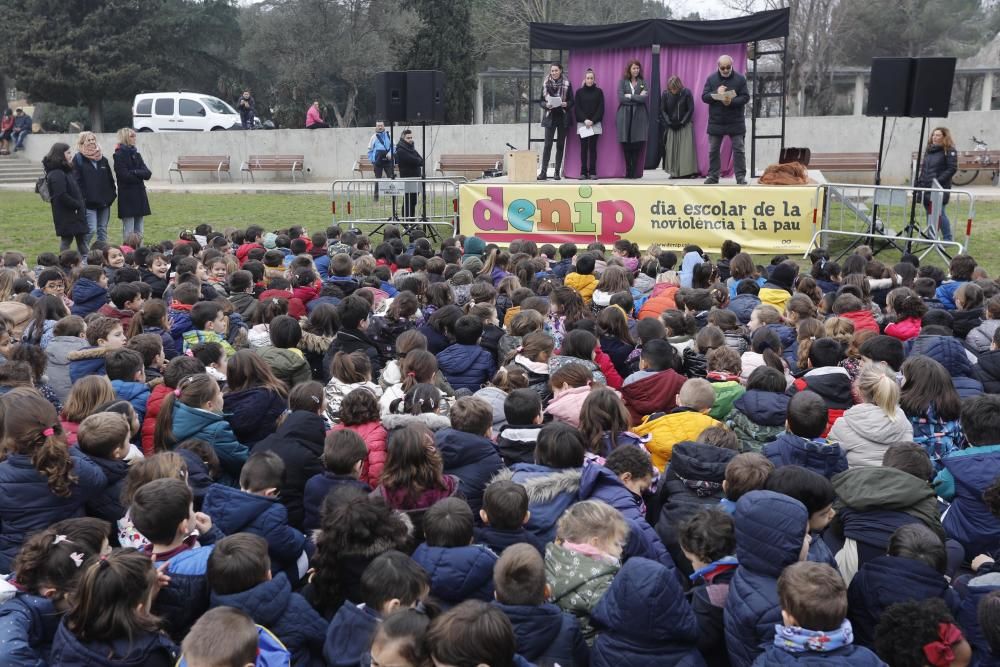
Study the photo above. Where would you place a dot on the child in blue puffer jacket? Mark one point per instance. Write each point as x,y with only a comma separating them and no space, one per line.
628,634
110,622
42,480
393,581
194,410
771,533
816,493
254,508
465,364
458,569
814,627
49,561
545,633
239,573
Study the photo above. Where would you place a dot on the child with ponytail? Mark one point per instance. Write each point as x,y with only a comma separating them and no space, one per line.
152,318
865,431
194,410
45,574
532,357
43,479
360,413
110,622
765,350
348,371
908,309
629,253
417,367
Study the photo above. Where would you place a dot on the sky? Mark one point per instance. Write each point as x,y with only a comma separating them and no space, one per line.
708,10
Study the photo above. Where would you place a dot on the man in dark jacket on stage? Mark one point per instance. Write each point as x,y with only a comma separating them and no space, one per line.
410,165
725,118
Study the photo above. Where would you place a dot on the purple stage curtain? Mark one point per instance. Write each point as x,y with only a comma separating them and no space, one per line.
609,69
693,64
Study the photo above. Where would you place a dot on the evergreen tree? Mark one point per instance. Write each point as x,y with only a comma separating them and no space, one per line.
73,52
444,42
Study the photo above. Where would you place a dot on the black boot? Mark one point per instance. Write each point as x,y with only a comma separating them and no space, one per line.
556,175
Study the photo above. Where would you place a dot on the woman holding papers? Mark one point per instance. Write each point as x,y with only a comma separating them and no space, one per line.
676,109
556,99
632,119
589,113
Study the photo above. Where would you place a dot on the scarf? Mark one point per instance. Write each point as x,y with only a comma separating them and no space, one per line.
590,551
794,639
712,570
539,367
554,88
93,154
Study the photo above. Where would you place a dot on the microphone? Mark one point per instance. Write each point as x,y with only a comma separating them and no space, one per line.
512,147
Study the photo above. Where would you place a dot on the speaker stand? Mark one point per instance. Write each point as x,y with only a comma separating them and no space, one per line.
873,227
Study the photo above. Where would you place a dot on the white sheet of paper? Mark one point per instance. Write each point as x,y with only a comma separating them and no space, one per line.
584,131
554,101
729,94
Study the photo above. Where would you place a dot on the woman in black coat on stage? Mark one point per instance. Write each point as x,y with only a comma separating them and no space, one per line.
132,174
940,162
676,111
632,119
589,113
69,212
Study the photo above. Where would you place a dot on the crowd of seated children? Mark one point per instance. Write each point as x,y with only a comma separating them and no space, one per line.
324,449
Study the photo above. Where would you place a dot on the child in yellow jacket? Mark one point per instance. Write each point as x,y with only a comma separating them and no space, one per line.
683,423
583,279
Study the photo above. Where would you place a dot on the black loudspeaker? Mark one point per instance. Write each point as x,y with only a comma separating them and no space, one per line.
390,97
889,87
930,90
425,96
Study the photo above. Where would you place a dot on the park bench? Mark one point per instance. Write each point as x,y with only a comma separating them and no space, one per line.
829,162
217,163
364,166
291,163
478,163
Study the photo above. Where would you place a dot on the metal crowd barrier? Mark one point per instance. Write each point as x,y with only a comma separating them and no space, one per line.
376,203
880,214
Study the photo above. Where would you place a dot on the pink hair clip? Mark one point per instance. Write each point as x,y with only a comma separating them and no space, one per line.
49,432
177,392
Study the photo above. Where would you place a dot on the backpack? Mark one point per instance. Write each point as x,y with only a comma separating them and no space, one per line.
42,188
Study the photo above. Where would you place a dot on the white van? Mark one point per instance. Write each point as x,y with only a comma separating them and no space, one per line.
182,112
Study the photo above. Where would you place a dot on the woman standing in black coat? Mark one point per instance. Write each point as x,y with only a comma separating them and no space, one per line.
632,118
68,208
940,162
589,114
132,173
410,165
676,111
556,118
93,175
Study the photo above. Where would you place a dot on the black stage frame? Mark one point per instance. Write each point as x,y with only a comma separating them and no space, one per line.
655,33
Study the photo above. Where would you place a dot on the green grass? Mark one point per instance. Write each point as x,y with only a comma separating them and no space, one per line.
26,222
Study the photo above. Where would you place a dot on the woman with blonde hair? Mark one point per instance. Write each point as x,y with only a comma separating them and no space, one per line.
940,162
865,431
132,173
93,174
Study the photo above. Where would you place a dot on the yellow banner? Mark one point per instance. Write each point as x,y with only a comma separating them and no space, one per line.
762,219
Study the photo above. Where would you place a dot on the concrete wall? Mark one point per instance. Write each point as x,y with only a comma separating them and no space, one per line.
330,154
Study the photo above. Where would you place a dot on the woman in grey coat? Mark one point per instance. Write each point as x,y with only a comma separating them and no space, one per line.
632,119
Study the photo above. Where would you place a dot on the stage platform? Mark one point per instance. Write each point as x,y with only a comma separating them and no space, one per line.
653,177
